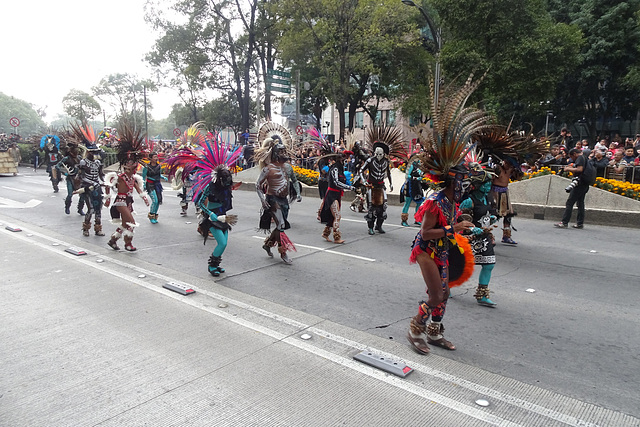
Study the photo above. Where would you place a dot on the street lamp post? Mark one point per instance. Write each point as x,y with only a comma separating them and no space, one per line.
437,37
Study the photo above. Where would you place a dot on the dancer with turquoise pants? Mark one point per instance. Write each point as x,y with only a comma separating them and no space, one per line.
482,241
411,191
152,177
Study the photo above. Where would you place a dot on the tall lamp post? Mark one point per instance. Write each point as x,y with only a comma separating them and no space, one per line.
437,37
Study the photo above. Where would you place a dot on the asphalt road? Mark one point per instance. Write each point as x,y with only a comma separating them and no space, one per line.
577,335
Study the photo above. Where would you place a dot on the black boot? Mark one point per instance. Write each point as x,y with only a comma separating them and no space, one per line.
67,205
379,226
80,206
214,263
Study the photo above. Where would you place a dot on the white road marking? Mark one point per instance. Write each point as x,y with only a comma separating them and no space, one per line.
328,251
14,189
14,204
346,362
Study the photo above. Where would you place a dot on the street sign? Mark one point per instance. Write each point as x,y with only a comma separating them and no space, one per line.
281,82
278,89
271,72
299,130
176,132
14,121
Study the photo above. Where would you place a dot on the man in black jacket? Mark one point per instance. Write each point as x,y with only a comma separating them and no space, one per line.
584,176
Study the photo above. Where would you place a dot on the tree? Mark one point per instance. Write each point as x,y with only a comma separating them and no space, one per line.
605,82
125,93
30,121
216,48
523,50
350,44
80,105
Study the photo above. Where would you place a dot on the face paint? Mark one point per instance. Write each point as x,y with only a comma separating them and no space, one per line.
485,188
379,153
461,187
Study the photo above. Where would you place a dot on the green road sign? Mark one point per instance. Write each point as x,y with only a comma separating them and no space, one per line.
281,82
278,89
271,72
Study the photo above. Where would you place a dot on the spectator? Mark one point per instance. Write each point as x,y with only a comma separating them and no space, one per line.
617,163
636,142
565,139
599,162
601,145
553,158
584,177
629,155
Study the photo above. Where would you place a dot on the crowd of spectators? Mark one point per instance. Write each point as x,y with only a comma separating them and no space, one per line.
614,159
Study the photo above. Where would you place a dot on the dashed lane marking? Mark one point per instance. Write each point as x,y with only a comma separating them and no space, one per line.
316,248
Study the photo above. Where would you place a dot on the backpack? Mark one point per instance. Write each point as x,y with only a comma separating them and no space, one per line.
589,173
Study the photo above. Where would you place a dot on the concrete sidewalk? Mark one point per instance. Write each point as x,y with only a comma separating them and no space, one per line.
96,340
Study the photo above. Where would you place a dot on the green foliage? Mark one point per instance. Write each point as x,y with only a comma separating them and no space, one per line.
524,52
80,105
348,45
30,122
604,83
125,93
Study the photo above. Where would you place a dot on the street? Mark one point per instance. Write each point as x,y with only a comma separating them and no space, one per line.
567,319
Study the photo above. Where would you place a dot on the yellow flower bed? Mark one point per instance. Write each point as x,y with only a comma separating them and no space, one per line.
541,172
622,188
307,176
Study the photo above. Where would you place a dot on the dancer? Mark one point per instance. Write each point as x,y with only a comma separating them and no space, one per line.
359,182
152,176
332,202
437,245
213,190
505,170
91,178
477,209
68,166
131,151
412,190
51,146
384,140
276,187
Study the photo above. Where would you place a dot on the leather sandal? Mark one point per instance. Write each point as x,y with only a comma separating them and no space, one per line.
442,343
418,343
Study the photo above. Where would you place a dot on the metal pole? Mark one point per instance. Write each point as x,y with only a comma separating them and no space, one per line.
146,123
297,98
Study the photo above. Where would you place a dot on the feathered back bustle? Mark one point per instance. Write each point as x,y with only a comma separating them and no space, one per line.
453,125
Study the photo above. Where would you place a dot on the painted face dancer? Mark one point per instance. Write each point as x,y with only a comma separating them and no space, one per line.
276,187
438,247
51,146
68,166
91,178
478,209
332,202
385,141
131,150
152,177
213,190
412,191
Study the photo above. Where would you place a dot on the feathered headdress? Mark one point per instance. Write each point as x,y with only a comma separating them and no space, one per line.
318,141
275,131
453,125
84,136
131,148
389,138
215,156
195,135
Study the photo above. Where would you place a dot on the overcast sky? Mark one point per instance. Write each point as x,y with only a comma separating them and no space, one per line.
51,47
